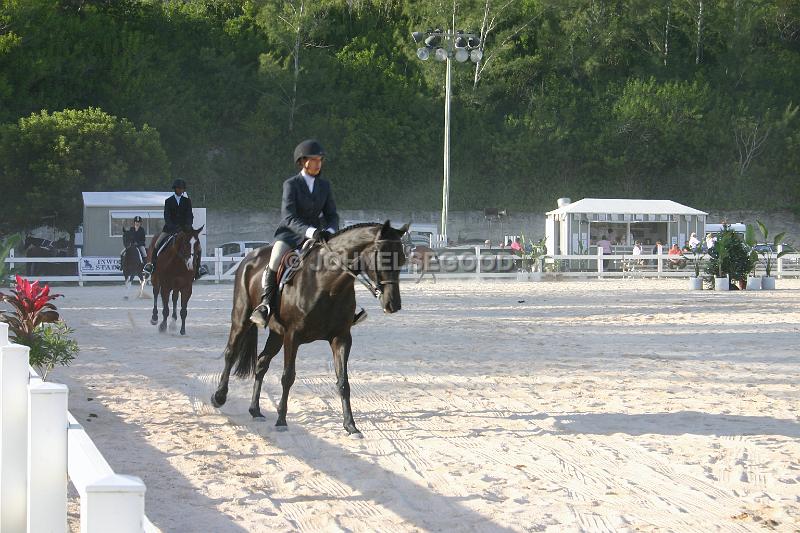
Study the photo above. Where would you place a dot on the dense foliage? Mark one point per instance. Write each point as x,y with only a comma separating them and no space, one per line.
690,100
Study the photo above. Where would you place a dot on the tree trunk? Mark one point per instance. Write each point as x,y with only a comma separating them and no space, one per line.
699,43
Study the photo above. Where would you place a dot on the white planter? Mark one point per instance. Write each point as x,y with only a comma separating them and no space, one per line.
721,284
695,283
754,283
768,283
523,276
536,276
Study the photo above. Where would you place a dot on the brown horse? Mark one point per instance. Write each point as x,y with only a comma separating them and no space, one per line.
317,304
422,257
174,274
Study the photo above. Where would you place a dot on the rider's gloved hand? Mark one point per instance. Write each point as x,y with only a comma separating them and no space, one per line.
321,235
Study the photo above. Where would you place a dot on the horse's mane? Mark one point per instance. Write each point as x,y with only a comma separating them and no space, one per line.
356,226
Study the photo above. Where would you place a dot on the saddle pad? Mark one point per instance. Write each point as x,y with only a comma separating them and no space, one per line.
165,243
290,263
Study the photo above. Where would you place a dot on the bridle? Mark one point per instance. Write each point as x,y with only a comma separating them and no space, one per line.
375,288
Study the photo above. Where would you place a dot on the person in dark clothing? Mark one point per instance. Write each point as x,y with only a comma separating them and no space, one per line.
177,216
137,236
308,211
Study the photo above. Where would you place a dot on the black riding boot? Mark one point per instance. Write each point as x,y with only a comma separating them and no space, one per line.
262,311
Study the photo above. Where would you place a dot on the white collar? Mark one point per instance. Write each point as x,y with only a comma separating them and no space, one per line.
309,179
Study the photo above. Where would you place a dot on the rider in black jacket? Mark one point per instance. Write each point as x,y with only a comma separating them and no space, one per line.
136,236
177,216
308,211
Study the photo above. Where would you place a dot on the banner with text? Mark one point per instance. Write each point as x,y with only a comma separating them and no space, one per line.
100,265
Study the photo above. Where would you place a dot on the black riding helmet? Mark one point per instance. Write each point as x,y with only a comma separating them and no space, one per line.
137,218
308,148
179,183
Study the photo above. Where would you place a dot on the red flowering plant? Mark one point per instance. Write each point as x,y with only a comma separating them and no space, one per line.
35,322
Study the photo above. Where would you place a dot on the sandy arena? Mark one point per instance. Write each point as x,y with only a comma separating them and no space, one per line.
627,405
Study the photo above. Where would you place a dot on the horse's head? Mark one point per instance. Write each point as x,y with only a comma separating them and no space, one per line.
383,265
126,238
187,244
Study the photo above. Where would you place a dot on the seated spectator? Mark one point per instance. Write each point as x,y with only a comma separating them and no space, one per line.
711,240
693,241
516,246
637,250
676,259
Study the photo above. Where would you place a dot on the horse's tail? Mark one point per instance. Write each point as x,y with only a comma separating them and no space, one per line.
246,347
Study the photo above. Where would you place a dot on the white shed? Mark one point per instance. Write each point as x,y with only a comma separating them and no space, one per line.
575,228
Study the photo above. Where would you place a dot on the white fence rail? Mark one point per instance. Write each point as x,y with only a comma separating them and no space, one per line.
575,265
41,446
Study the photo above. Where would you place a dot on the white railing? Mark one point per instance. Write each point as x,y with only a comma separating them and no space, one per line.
573,265
41,446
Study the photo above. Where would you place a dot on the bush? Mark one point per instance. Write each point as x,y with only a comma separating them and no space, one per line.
730,256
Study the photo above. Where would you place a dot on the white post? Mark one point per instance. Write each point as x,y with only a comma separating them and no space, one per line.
478,262
11,265
217,264
599,261
113,503
13,434
47,457
80,274
659,263
446,183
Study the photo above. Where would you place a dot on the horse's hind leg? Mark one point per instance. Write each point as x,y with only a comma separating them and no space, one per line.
271,349
287,379
340,346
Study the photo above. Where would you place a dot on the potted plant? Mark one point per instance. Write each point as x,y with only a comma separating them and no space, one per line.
769,254
730,260
695,256
533,254
35,322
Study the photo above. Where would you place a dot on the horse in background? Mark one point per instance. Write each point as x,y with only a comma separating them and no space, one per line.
38,247
176,267
131,263
318,303
422,257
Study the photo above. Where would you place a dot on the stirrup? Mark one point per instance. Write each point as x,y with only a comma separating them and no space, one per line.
260,315
360,317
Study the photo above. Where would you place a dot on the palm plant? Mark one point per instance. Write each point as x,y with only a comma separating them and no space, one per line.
696,257
768,253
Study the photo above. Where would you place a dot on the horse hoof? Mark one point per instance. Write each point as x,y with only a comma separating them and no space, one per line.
183,332
162,328
216,403
153,322
357,435
281,428
260,418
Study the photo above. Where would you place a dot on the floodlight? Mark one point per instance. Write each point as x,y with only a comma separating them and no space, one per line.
417,36
473,41
476,55
423,53
460,42
432,40
461,55
441,54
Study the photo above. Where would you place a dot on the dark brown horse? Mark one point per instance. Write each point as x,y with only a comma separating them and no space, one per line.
174,274
131,262
317,304
422,258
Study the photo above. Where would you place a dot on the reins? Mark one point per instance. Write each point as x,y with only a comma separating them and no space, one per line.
375,290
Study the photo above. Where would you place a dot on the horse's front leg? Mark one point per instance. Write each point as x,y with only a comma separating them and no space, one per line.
340,346
186,293
175,305
165,310
287,379
156,292
271,349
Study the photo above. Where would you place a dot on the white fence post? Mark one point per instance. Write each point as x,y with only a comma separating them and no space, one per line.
78,264
600,261
478,262
217,264
47,457
659,262
114,503
11,264
13,433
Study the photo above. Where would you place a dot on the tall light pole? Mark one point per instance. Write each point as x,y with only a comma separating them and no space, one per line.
446,45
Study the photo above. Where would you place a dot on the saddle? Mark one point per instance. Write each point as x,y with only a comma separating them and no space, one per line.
290,265
164,244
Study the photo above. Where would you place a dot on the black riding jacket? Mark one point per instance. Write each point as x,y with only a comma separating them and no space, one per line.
177,216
